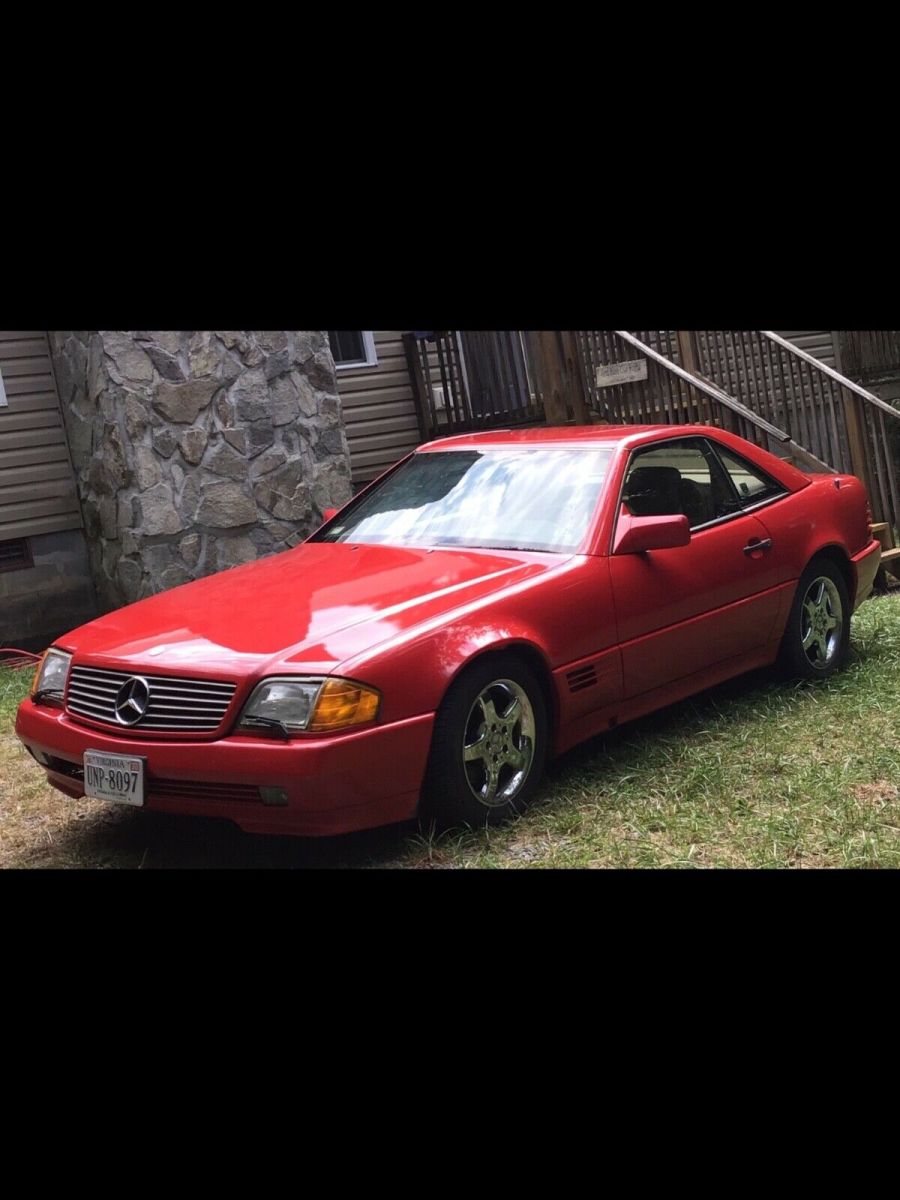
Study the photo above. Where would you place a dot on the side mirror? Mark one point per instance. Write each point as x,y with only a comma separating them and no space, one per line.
637,535
328,513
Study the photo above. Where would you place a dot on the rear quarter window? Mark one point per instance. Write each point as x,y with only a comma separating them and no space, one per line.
751,484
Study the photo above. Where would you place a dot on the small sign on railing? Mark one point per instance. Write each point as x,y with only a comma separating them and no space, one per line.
632,371
3,400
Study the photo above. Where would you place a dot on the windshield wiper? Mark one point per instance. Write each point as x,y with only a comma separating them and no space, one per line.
40,696
269,724
475,546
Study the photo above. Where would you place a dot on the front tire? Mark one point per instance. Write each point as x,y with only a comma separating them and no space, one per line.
817,637
489,745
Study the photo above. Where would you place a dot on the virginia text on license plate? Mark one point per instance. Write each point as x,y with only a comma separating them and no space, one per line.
114,777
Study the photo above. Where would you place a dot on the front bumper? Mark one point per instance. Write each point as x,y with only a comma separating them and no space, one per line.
334,784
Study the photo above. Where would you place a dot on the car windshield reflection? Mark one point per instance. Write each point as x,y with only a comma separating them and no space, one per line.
495,499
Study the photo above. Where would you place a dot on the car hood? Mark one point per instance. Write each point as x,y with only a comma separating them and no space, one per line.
309,608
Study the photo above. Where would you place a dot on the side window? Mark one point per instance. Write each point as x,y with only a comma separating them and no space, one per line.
752,484
678,477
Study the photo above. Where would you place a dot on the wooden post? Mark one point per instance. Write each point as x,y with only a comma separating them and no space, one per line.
856,441
687,352
548,376
838,351
577,384
555,362
422,397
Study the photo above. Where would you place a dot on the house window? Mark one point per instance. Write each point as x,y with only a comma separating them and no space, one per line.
15,555
352,349
3,401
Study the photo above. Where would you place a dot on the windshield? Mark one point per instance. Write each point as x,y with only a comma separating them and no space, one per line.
505,499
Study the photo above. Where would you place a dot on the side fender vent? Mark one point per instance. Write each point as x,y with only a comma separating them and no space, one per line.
584,677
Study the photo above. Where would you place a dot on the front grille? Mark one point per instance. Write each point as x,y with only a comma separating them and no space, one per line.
175,706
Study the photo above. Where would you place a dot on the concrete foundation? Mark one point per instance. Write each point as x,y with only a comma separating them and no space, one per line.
41,602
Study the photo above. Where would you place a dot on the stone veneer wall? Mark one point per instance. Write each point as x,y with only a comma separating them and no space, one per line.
196,451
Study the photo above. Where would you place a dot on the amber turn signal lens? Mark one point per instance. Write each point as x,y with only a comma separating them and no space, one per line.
37,673
340,704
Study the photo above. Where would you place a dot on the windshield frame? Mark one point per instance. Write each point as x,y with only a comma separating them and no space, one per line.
320,535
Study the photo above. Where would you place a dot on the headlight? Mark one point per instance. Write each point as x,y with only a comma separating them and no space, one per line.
51,675
311,705
285,702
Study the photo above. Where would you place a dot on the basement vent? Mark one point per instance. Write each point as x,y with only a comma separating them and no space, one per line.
15,554
584,677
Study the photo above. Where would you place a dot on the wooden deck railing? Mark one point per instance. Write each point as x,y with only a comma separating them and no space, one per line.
471,381
670,393
867,422
762,383
751,382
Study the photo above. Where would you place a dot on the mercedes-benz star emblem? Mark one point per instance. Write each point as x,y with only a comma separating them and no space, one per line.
132,700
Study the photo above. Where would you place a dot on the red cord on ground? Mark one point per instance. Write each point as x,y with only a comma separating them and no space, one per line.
21,659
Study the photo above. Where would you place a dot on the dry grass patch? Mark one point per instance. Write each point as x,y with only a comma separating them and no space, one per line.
37,823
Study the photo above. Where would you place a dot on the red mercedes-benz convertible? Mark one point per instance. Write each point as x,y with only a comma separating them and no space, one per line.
491,601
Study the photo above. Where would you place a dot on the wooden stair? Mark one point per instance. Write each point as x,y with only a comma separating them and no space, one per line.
762,387
890,554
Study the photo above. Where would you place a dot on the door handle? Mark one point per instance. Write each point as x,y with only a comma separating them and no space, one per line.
761,545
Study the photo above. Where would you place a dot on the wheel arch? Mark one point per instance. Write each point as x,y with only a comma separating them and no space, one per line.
533,658
841,559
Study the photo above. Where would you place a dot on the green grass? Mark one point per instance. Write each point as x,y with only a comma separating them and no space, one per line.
756,773
14,685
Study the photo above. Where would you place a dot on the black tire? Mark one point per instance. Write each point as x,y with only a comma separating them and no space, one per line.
821,591
459,792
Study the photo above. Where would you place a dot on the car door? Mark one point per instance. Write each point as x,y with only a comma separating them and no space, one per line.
683,610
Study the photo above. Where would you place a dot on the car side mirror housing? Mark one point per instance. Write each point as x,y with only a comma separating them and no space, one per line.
328,513
637,535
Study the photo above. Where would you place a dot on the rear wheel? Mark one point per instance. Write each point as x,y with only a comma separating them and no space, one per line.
489,745
818,632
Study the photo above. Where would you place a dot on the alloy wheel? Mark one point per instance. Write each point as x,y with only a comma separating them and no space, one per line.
498,743
821,622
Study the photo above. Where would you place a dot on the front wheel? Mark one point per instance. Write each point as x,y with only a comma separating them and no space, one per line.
489,745
817,637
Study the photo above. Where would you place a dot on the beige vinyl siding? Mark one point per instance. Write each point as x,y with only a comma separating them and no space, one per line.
379,411
37,487
819,344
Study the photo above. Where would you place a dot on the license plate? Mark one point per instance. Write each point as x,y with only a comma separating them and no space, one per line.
114,777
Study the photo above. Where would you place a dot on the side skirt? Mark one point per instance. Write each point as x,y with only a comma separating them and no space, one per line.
613,715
